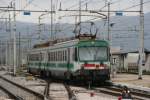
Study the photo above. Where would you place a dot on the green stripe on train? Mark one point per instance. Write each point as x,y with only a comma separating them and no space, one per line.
87,43
64,65
52,65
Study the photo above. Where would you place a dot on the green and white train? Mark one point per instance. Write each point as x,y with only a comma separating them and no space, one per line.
73,59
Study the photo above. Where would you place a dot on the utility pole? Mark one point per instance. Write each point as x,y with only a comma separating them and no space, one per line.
29,38
19,58
109,39
51,20
108,21
10,38
79,16
0,53
40,28
14,37
141,37
6,51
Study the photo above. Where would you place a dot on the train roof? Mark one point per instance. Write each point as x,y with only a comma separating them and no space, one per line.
92,43
79,37
82,40
76,42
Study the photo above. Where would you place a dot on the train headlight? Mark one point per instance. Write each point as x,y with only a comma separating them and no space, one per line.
103,66
97,66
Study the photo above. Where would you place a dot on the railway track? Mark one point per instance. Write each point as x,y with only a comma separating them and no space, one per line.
116,91
66,91
18,92
58,91
70,92
109,90
5,94
83,93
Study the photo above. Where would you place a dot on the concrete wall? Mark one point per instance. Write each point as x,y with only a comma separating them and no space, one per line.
147,63
122,61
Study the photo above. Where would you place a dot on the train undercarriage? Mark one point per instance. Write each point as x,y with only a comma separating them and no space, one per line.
85,76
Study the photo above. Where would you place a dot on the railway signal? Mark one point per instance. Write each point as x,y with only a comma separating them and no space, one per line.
119,13
27,13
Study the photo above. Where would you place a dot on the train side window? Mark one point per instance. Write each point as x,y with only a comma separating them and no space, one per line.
61,56
41,57
65,55
30,57
75,54
35,57
56,56
53,56
49,56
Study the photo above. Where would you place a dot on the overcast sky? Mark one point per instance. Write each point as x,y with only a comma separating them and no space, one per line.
69,4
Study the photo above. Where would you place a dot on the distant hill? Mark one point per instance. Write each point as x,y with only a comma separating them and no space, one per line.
124,31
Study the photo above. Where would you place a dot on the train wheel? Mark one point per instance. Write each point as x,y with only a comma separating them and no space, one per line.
42,75
68,76
29,70
48,74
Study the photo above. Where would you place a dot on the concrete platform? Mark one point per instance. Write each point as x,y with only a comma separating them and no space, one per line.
132,81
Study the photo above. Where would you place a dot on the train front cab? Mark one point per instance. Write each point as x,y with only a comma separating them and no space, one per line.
93,60
99,74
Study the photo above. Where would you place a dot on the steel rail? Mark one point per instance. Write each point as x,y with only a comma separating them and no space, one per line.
19,10
70,92
40,96
46,91
11,95
116,91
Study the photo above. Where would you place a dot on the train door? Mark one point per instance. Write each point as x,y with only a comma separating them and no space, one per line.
41,62
68,72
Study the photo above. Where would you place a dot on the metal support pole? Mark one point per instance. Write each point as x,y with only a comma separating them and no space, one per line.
141,37
14,38
9,44
29,38
79,17
108,21
0,53
19,58
109,39
51,20
40,30
6,51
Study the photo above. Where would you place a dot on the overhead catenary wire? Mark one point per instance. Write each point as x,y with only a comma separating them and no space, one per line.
135,5
3,2
76,5
27,4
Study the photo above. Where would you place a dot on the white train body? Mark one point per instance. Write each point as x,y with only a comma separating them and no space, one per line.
87,59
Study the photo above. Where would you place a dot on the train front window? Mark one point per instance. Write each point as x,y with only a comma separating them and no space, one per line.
93,53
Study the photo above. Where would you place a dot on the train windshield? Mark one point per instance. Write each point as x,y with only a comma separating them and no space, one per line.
93,53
